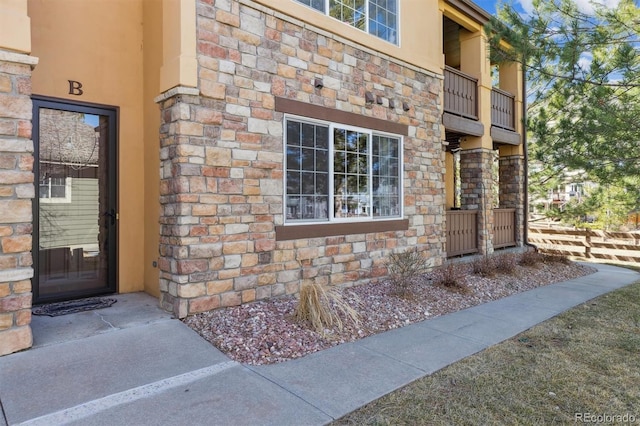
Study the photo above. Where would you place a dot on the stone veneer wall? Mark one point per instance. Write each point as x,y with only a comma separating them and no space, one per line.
477,192
511,169
222,160
16,192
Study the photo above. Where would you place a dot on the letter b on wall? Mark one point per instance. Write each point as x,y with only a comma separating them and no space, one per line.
75,88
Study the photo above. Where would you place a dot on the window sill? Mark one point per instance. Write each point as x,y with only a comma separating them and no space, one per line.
295,232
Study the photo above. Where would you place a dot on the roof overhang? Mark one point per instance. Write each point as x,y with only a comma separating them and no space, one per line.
471,10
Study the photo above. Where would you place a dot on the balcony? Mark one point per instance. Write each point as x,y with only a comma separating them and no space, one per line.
460,94
502,110
503,118
461,109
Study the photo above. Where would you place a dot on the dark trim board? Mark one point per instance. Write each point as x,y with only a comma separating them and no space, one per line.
296,232
462,125
290,106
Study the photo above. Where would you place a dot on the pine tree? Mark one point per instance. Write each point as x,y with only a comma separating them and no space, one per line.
583,77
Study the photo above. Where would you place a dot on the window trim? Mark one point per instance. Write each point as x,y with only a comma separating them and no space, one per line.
317,112
57,200
366,30
331,219
321,230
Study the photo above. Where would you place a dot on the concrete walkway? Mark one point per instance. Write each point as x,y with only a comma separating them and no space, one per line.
131,364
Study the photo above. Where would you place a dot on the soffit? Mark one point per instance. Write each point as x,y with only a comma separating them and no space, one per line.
466,13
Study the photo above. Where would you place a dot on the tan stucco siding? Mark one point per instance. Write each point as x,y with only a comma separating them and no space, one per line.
152,62
99,44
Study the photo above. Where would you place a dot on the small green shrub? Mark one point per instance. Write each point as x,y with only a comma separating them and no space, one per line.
323,308
404,267
484,266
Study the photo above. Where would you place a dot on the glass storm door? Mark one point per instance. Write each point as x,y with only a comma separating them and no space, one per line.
75,210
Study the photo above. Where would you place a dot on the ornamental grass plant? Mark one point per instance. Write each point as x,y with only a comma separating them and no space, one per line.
323,308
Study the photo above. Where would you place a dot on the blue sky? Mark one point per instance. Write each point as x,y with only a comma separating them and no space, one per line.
526,5
92,120
488,5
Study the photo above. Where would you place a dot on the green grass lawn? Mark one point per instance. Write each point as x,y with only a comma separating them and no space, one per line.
577,366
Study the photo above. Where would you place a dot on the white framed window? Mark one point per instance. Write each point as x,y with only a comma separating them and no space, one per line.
55,190
340,173
377,17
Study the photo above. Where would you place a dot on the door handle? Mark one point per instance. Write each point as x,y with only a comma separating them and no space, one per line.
112,214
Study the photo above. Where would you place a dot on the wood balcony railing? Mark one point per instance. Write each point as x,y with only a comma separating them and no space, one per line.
461,99
460,94
504,228
503,106
462,232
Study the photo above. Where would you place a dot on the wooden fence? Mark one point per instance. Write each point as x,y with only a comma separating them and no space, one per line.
462,232
590,244
504,228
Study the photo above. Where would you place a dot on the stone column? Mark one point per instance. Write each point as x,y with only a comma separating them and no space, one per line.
16,193
511,171
477,192
182,154
200,253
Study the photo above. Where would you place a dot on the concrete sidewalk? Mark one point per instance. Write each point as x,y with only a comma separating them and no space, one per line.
131,364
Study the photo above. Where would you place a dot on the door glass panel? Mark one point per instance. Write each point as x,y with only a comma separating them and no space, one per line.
74,213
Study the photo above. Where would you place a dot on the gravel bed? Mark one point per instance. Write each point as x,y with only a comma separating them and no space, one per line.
265,332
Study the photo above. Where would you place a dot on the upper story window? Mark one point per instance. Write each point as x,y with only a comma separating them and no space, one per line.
377,17
338,173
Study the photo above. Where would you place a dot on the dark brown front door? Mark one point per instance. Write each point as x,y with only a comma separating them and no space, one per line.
75,215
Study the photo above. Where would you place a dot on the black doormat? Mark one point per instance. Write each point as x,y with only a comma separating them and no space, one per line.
73,306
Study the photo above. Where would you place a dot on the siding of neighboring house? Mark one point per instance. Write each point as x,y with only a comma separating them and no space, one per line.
73,224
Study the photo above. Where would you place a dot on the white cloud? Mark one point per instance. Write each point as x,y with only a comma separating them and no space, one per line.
527,6
585,6
585,61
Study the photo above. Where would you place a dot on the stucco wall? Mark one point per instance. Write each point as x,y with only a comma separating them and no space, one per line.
153,31
99,43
